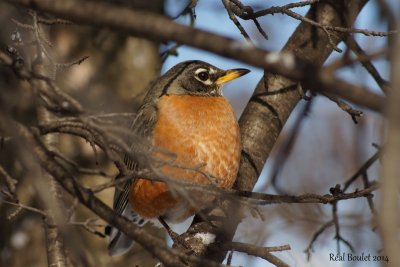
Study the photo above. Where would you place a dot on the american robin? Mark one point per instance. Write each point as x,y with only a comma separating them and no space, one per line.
184,112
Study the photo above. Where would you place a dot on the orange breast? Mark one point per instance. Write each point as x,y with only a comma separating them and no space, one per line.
197,130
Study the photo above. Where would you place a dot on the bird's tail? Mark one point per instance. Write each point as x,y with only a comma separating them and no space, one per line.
119,243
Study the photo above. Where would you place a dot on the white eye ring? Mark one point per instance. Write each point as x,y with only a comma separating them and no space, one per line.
203,76
200,70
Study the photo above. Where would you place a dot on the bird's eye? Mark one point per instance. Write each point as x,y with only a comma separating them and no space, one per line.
203,75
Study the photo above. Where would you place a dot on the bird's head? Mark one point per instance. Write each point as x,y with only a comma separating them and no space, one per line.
199,78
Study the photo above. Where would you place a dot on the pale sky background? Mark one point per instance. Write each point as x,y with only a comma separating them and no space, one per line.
211,17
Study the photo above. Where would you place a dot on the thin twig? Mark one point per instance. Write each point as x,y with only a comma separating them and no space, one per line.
363,168
26,207
10,182
235,7
90,225
367,64
227,5
367,183
262,252
54,21
354,113
322,229
285,9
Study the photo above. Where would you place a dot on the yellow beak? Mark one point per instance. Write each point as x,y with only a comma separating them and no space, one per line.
230,75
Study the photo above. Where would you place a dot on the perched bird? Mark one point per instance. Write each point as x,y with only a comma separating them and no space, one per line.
185,113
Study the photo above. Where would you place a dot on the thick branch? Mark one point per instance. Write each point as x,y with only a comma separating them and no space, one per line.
162,29
153,244
56,256
269,108
389,212
274,99
51,197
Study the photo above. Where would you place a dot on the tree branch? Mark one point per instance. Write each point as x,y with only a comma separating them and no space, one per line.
263,118
264,253
151,26
389,217
270,107
153,244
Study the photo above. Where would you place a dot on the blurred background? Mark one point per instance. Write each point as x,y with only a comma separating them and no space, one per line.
329,147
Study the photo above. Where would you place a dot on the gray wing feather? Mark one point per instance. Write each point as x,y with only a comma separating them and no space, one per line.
142,126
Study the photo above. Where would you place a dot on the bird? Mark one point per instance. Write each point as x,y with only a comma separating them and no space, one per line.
184,112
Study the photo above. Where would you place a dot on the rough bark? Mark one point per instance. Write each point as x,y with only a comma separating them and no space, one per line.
390,179
154,27
269,108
